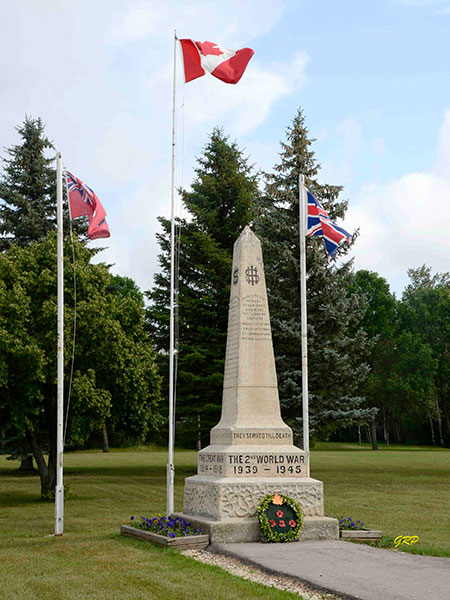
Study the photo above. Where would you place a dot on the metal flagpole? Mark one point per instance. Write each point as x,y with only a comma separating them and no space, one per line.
170,466
59,490
302,232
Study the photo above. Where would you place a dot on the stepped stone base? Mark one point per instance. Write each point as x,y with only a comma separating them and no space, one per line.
219,498
225,507
248,530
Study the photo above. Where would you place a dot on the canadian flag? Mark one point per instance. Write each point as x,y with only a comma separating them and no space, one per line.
206,57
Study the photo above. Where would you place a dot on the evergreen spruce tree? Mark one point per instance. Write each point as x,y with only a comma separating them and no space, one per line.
336,343
220,204
28,189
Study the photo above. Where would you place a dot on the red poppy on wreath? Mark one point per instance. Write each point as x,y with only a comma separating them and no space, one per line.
284,526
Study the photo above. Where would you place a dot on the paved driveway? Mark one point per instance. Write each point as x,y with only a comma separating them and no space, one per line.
350,570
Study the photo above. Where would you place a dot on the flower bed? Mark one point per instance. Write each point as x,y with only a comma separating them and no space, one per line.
347,524
356,530
166,531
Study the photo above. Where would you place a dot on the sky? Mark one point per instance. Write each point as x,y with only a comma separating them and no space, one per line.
372,78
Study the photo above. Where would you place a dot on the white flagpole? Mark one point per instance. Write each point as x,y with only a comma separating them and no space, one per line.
302,231
59,490
170,466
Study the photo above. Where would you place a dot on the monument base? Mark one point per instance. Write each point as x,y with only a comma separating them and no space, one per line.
248,530
219,498
225,507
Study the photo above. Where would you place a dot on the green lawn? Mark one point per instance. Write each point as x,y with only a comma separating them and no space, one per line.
91,560
399,489
403,492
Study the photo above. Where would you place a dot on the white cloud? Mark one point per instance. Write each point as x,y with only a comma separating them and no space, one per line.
230,23
124,150
248,104
135,24
404,222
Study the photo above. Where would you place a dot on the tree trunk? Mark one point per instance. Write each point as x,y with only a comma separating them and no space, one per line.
446,414
369,437
105,439
359,435
439,422
27,463
373,428
47,474
446,418
385,433
387,427
199,438
433,441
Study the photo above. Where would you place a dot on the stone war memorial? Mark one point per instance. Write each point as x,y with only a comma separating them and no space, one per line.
251,453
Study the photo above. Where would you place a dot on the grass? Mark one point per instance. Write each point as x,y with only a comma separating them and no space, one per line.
403,491
399,489
91,560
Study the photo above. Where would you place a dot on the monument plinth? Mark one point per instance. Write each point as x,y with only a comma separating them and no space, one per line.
251,452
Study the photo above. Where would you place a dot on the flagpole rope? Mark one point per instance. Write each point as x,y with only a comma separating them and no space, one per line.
74,318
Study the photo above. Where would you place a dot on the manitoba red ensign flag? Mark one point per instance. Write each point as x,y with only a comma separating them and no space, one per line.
206,57
84,202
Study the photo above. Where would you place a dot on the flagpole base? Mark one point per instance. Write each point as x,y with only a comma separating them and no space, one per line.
170,473
59,509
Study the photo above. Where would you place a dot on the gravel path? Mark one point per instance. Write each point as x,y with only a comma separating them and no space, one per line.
236,567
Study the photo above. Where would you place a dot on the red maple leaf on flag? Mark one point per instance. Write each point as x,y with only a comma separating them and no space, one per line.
226,64
209,48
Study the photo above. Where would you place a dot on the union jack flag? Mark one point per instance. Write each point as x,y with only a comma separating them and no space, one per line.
84,202
319,223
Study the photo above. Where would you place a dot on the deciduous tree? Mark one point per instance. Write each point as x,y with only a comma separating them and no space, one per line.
115,375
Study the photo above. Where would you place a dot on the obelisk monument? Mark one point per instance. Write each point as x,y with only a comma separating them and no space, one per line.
251,452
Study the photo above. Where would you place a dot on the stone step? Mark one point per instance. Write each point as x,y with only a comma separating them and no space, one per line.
248,530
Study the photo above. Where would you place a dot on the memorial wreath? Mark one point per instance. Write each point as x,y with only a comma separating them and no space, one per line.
280,518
